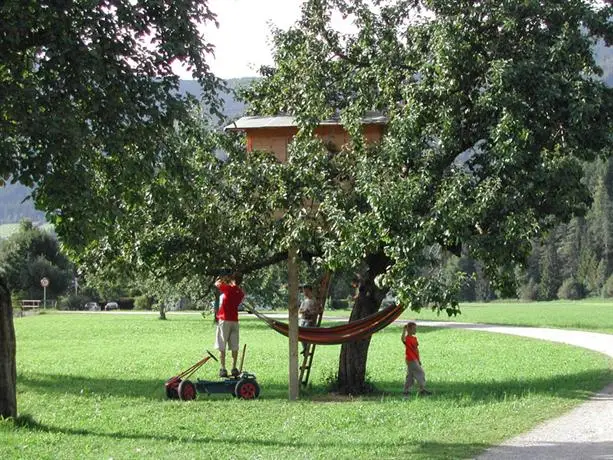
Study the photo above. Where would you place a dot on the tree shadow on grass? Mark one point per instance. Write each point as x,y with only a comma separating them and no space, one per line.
570,386
121,387
250,442
431,450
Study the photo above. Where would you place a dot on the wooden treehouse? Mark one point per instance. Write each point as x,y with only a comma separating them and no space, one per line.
274,134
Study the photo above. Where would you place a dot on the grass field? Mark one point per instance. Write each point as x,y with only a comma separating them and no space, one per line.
7,230
590,314
91,386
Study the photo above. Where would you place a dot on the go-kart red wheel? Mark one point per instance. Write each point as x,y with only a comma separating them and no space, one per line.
172,386
187,391
247,389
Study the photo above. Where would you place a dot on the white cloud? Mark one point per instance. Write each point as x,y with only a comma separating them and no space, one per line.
242,39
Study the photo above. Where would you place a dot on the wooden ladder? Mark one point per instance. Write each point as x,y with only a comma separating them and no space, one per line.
307,359
309,351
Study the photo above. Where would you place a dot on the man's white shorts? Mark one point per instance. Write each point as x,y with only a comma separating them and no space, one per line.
227,336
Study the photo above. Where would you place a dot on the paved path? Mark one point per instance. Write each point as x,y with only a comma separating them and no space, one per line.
586,432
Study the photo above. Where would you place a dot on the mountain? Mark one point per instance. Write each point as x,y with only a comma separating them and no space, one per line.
232,107
14,202
15,205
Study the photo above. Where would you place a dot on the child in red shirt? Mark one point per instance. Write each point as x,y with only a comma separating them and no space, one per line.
227,335
414,369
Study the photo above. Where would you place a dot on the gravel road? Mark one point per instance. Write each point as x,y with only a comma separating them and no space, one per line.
585,432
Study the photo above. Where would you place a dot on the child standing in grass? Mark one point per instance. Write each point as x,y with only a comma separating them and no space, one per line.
414,370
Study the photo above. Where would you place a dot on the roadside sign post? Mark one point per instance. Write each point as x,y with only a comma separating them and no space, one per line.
44,282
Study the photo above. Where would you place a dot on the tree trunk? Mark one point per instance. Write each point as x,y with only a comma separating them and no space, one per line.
162,311
352,362
8,370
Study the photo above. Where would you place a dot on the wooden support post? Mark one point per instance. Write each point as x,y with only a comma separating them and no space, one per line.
292,275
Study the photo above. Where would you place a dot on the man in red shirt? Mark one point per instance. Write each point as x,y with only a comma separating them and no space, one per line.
227,320
411,352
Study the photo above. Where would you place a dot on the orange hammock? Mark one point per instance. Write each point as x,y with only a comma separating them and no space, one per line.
349,332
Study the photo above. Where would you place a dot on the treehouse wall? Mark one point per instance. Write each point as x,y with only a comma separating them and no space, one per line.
276,140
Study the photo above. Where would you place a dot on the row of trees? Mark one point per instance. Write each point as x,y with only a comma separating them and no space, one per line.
575,260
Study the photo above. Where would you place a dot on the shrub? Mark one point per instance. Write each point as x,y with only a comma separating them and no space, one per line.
571,289
126,303
143,302
17,297
72,302
338,304
529,292
607,289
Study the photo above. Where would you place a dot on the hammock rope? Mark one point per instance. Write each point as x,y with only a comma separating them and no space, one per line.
334,335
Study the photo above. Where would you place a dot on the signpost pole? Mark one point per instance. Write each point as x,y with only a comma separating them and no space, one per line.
44,282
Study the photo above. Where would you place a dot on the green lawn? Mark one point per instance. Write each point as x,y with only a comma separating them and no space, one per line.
7,230
91,386
590,314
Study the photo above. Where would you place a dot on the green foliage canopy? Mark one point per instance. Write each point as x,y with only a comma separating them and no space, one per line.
492,108
87,93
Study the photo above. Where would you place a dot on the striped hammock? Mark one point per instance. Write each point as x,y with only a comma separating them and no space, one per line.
334,335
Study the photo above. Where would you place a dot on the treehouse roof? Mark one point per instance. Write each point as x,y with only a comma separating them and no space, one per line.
288,121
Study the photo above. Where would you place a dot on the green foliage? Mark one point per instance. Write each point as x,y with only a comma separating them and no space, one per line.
529,292
143,302
73,302
550,273
31,254
571,289
472,153
473,147
607,290
89,93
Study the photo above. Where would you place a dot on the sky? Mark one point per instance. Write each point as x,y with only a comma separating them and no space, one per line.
242,41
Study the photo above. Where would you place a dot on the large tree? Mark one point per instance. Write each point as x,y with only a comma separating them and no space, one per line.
492,108
87,94
31,254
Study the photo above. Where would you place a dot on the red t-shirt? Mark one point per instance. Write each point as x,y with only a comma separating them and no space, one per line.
232,298
411,350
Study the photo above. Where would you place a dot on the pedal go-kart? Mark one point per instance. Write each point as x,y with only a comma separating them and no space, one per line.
244,386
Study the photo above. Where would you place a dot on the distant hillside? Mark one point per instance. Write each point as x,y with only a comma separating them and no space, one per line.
13,208
232,108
